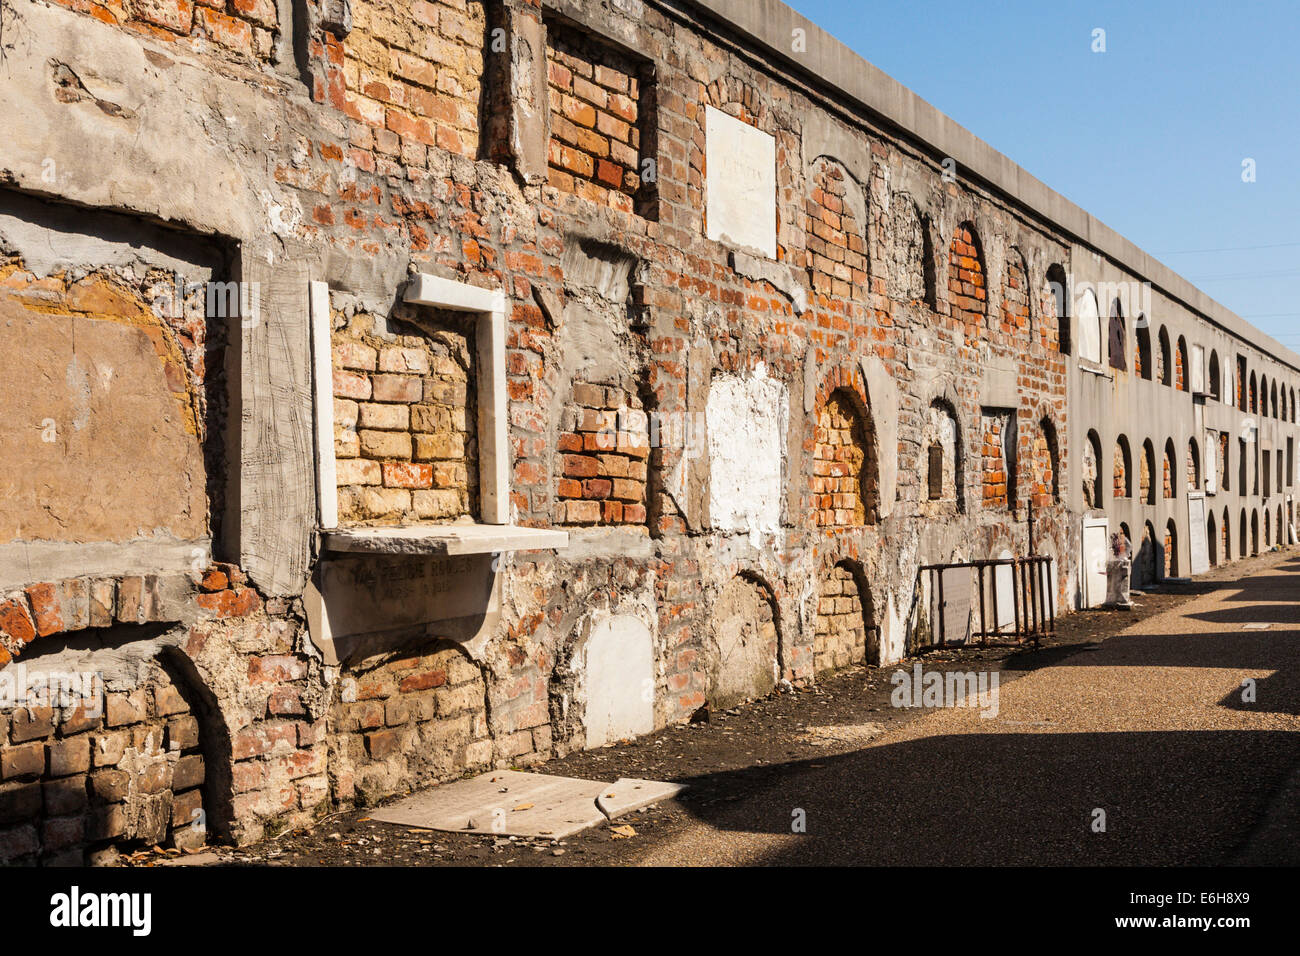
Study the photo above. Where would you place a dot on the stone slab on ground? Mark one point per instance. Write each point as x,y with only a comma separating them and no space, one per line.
627,794
514,803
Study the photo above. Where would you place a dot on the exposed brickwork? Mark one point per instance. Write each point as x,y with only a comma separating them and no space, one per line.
841,631
1044,469
997,469
1193,469
1168,473
601,108
967,292
404,421
82,775
605,449
1121,471
244,28
1147,465
1015,298
1090,469
407,720
843,475
836,212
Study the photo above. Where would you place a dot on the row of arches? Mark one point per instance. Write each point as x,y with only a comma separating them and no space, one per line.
845,483
1154,478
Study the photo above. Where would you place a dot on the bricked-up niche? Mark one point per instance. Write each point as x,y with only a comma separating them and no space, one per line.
967,291
846,479
1055,323
603,120
1181,381
1169,469
1224,473
1193,466
742,653
1123,470
1164,365
406,719
1146,487
1044,466
1171,549
836,221
943,491
1090,471
845,632
1014,321
1142,348
412,78
998,452
84,777
909,275
604,447
404,423
1118,338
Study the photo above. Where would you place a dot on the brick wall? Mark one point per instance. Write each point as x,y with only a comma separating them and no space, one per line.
404,420
1015,299
997,474
1043,469
837,262
407,719
1144,475
967,293
605,448
244,28
840,636
1168,474
1121,472
843,479
601,111
410,79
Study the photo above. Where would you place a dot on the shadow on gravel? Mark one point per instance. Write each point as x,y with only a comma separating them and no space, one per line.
1014,798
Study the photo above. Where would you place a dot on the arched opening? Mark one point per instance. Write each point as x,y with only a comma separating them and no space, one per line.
743,656
1193,466
1281,536
1056,333
1169,472
836,222
1243,547
1118,338
1293,416
1263,396
1016,318
1254,394
1123,469
1171,549
1216,378
1254,532
1142,352
1089,326
967,291
1180,366
1144,561
1163,364
1227,536
846,628
1044,466
942,444
1091,471
1212,539
1268,536
846,479
1272,399
1146,486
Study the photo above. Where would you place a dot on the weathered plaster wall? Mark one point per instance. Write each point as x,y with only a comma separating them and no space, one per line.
765,505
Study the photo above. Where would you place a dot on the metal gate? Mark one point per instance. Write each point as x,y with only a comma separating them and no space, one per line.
1033,602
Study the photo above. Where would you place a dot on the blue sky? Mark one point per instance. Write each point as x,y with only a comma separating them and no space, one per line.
1148,136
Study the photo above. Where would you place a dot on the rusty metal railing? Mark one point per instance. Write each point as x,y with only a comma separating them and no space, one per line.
1033,605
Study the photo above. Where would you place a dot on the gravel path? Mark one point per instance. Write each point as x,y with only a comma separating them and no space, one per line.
1148,726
